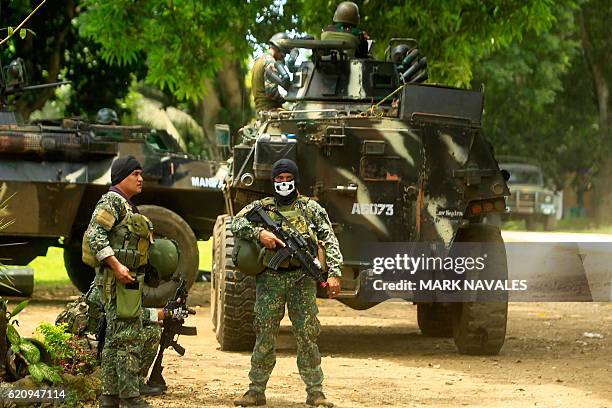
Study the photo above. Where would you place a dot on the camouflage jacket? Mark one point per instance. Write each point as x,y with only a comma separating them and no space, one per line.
110,209
265,92
242,228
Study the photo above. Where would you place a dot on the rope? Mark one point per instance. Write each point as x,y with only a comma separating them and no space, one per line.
373,109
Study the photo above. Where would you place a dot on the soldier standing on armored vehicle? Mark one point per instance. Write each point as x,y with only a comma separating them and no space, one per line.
345,28
288,285
265,92
118,240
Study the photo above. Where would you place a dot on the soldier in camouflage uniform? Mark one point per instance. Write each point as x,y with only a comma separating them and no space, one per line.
275,288
117,241
265,92
346,20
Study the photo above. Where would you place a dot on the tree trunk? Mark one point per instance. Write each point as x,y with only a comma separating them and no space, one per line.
601,87
224,101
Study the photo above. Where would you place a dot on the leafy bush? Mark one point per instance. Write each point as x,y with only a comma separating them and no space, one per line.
75,355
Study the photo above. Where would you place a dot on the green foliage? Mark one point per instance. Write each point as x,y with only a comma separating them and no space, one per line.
74,355
182,41
22,305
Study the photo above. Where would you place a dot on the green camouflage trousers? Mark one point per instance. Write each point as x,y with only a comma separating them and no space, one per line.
274,290
121,356
151,334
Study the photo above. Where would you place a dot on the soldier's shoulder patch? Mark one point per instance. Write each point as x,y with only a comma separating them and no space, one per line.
105,218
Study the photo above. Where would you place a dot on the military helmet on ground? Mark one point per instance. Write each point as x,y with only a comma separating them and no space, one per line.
164,257
274,40
106,116
347,12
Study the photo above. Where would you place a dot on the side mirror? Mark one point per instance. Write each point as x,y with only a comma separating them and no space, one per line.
222,135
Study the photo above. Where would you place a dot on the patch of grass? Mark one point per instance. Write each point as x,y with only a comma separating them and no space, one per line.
586,225
49,270
514,225
205,248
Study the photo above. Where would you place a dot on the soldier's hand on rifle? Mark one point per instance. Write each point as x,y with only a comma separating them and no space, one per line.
122,272
269,240
333,287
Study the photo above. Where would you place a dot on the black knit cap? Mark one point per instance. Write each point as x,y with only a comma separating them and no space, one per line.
286,166
123,167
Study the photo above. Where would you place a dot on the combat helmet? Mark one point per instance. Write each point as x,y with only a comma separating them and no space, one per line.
107,116
275,40
347,12
248,257
164,257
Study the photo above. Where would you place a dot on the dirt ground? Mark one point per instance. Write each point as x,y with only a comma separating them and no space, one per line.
378,357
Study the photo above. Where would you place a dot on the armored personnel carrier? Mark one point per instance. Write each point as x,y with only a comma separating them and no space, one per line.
392,160
52,173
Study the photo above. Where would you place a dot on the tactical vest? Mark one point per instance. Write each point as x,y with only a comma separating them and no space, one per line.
298,215
130,240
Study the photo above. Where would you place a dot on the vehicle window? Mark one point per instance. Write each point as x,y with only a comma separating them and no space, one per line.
524,176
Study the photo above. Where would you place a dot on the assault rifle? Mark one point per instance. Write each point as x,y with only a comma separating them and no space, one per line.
175,312
295,244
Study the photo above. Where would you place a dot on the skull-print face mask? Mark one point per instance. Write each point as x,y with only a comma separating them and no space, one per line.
285,192
284,188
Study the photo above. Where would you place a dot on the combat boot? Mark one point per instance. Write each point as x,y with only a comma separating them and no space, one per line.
109,401
251,399
134,402
317,399
150,390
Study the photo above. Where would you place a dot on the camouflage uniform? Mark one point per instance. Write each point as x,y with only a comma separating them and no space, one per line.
265,92
275,289
123,351
151,331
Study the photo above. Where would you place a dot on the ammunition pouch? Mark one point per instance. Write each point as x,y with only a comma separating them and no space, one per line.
129,298
131,258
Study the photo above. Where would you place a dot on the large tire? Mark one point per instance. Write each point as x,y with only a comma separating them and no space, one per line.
170,225
232,294
80,274
435,320
479,328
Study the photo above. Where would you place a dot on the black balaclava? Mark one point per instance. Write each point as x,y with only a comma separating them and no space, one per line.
285,193
123,167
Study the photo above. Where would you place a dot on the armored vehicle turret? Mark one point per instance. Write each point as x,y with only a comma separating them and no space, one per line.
392,160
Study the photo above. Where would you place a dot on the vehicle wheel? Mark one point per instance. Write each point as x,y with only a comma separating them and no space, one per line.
170,225
479,328
80,274
550,222
232,295
435,320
